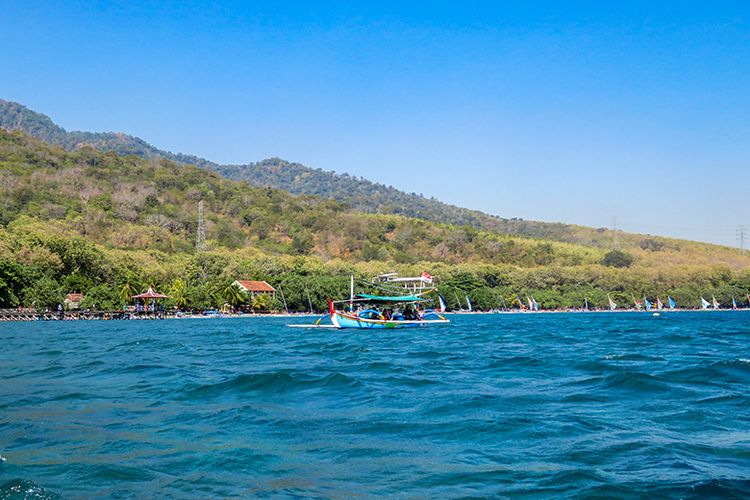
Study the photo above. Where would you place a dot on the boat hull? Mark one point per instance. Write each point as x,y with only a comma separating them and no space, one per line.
344,320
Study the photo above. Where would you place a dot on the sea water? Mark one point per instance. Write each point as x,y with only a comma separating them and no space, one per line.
597,404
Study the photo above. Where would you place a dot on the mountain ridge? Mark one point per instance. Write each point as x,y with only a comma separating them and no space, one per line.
296,178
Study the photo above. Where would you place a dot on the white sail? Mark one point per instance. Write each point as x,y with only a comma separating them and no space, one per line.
714,303
468,302
704,303
612,305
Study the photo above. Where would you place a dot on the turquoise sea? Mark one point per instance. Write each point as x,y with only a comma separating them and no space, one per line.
547,405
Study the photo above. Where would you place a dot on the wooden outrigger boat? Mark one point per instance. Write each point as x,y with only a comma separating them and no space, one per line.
382,311
372,318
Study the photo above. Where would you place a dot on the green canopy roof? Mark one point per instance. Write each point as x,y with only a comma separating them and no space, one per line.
380,298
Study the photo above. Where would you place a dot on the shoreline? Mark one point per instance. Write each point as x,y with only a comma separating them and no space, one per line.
28,316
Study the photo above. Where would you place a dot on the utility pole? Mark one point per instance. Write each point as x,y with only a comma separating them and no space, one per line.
200,239
742,236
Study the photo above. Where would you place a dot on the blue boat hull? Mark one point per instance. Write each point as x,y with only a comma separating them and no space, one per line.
344,320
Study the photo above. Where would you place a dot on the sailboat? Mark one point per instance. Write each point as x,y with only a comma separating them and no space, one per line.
714,303
734,303
671,302
648,304
638,305
468,303
443,307
704,303
536,304
612,305
521,305
659,304
530,302
458,301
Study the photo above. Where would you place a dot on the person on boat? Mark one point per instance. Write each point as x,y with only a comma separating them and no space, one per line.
409,313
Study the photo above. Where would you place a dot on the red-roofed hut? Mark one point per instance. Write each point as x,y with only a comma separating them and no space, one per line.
255,287
152,295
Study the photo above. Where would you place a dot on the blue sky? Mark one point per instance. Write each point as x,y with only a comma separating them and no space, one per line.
574,113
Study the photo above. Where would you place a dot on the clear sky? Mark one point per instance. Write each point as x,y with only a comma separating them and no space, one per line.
574,112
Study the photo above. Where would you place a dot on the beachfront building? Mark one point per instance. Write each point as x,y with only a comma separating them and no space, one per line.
73,301
253,288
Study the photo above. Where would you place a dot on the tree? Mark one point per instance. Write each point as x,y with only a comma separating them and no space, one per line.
617,258
45,292
7,297
233,295
178,293
102,298
260,302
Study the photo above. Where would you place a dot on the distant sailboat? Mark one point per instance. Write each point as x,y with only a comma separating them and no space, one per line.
536,304
521,305
638,305
671,302
659,304
612,305
734,303
704,303
442,303
714,303
468,303
648,304
585,304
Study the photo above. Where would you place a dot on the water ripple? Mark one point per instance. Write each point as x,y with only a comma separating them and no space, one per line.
545,405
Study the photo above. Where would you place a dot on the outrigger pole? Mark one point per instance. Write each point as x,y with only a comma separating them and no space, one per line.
351,294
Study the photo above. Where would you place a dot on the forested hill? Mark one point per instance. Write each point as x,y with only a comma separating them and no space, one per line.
15,116
106,225
361,194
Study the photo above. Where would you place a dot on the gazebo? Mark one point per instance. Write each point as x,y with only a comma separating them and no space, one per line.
150,294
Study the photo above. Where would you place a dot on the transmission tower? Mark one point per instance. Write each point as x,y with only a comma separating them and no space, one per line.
742,236
200,239
615,239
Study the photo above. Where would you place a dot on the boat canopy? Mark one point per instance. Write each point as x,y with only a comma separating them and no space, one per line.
380,298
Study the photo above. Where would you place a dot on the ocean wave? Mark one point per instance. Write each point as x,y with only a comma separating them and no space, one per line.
632,357
724,371
515,361
272,382
636,381
26,489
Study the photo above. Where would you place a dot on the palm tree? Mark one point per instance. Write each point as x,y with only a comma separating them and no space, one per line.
178,293
233,295
129,288
260,302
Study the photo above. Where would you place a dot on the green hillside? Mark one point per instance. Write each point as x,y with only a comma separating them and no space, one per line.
106,224
361,194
